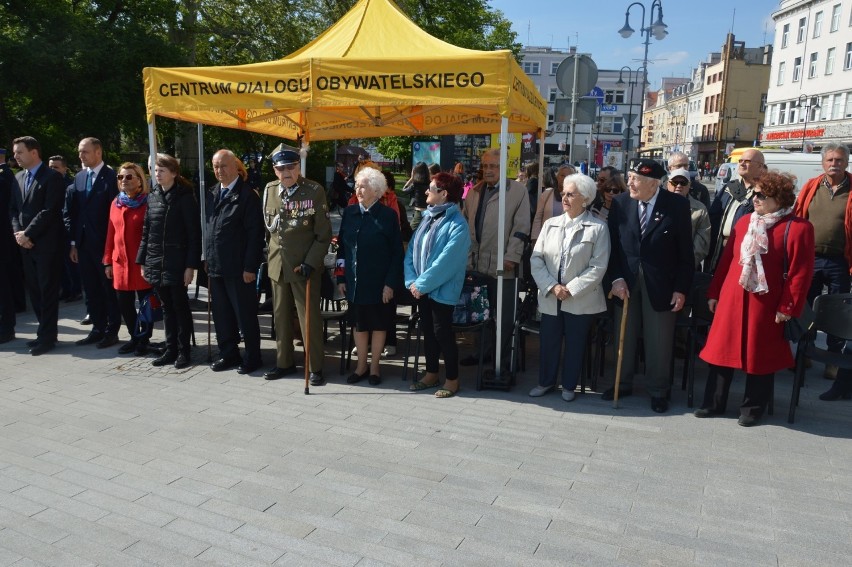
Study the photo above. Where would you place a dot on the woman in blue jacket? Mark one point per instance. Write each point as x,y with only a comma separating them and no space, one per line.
434,272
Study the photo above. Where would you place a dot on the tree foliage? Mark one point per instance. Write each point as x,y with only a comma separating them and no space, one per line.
73,68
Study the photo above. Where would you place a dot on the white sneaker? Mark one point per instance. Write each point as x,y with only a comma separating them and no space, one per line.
389,351
354,351
568,395
539,391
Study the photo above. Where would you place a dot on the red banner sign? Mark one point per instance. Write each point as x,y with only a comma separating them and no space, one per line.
794,134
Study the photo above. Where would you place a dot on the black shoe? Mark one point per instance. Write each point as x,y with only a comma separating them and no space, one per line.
706,412
86,320
127,348
316,379
183,360
836,392
141,348
72,297
659,405
248,367
107,341
473,360
42,348
32,343
374,380
265,307
609,394
164,359
92,338
7,337
225,363
747,420
278,373
354,378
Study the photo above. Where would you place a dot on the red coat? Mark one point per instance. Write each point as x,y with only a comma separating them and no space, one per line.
124,234
744,334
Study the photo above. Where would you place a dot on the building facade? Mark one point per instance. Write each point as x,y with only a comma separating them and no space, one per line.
810,87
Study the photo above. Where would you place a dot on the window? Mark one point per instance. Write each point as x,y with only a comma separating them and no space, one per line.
837,107
829,61
773,116
818,24
785,36
532,67
812,66
782,113
781,68
847,62
849,104
826,107
611,124
552,94
763,103
554,65
549,120
797,69
614,96
803,28
835,18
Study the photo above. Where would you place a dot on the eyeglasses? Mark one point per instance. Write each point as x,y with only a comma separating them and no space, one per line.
760,196
571,195
286,167
490,166
680,166
748,161
674,183
128,177
435,189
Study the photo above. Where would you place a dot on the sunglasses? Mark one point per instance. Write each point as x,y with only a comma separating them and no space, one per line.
759,196
613,190
679,183
434,189
128,177
286,167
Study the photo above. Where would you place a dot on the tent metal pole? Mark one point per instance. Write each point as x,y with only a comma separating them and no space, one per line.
501,234
202,189
152,145
541,134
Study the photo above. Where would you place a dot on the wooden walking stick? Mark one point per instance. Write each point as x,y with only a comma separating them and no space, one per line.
620,352
307,337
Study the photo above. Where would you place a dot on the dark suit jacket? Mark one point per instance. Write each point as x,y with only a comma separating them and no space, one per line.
86,217
235,231
665,253
40,214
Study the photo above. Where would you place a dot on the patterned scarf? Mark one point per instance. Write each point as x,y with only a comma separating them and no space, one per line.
755,243
130,202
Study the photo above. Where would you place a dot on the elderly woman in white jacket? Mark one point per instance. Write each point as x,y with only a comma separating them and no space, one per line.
568,264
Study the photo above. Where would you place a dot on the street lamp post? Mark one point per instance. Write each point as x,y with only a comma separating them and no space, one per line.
632,78
658,28
807,103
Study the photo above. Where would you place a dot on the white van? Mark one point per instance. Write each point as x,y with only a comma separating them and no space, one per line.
801,166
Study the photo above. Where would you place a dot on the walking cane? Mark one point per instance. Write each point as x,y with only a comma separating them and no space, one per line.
307,337
620,351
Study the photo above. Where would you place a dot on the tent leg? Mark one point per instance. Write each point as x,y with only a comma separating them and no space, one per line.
152,145
202,201
541,162
501,233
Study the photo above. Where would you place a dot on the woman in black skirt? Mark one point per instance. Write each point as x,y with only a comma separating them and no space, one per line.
371,253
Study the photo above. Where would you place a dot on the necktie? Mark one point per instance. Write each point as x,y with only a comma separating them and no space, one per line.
89,177
643,217
28,181
222,192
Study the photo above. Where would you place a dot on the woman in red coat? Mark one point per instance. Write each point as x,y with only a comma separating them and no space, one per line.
752,300
124,233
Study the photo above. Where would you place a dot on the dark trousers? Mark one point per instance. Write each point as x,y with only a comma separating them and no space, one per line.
101,301
758,388
127,306
436,321
833,272
507,324
556,330
7,297
234,310
43,274
177,318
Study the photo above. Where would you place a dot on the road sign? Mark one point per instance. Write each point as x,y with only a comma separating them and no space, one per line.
597,93
587,74
609,109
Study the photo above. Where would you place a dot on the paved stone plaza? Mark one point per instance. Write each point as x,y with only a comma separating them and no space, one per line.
105,460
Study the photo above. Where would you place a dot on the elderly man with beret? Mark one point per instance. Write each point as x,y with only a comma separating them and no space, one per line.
652,264
296,215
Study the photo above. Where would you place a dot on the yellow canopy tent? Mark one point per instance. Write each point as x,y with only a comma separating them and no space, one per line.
373,73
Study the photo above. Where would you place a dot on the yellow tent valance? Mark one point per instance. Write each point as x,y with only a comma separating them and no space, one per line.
373,73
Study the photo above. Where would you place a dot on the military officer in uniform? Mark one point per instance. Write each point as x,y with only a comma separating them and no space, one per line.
296,215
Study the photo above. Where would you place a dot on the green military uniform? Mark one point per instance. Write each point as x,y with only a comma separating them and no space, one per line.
300,233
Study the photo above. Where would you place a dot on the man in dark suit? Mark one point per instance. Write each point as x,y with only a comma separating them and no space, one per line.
36,214
8,254
86,220
233,252
652,264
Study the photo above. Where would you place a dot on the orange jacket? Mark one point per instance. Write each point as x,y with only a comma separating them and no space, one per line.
806,195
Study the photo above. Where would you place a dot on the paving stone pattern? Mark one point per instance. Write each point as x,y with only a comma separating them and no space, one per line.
105,460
